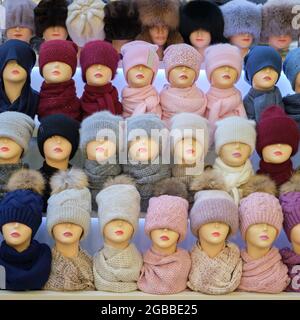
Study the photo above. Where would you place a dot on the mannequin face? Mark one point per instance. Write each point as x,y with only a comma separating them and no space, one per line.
277,153
189,150
139,76
242,40
295,237
57,148
57,72
182,77
200,39
224,77
20,33
118,231
280,42
164,238
213,232
14,73
265,79
10,151
98,75
235,154
101,150
55,33
297,83
67,233
261,235
159,35
143,149
17,235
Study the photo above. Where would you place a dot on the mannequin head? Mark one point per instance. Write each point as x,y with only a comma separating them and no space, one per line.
10,151
14,73
295,238
200,39
57,72
277,153
224,77
55,33
139,76
20,33
118,233
143,149
101,149
261,235
67,233
213,233
235,154
164,240
159,35
242,40
188,150
265,79
98,75
182,77
57,149
17,235
280,41
297,83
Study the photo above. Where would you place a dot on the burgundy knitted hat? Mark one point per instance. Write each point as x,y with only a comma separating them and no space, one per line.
275,127
98,52
58,50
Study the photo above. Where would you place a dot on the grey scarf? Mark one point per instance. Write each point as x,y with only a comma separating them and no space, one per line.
292,107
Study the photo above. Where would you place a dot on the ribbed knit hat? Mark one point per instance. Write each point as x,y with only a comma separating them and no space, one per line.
291,65
235,129
70,200
18,127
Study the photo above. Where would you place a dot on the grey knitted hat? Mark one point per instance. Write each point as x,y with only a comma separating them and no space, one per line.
16,126
70,200
291,66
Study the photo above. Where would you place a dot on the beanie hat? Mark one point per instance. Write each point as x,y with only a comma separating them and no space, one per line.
242,16
220,55
19,13
121,20
185,125
140,52
23,202
167,212
18,127
58,125
235,129
98,52
260,57
50,13
70,200
182,55
275,127
85,21
291,65
58,50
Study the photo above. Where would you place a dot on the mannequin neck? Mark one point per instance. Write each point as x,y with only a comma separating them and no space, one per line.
13,90
201,51
255,252
165,251
69,250
115,245
296,248
117,44
14,160
244,51
23,246
160,52
61,165
212,250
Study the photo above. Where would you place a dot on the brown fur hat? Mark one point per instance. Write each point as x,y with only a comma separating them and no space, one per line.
259,183
171,187
121,179
208,180
293,185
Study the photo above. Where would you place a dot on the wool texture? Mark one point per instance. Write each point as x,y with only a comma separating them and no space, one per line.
292,106
292,261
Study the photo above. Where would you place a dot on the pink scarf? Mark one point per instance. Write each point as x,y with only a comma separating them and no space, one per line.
165,274
266,275
140,100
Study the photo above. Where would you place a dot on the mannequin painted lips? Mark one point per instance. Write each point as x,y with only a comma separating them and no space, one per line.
15,234
278,153
98,75
216,234
183,77
236,155
56,73
190,151
57,150
140,76
55,34
18,35
199,39
119,232
164,238
15,72
264,237
100,149
142,150
68,234
246,39
267,78
226,76
4,149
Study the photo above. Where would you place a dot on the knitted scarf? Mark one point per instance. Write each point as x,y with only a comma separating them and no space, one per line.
96,99
218,275
59,98
140,100
27,270
117,270
292,261
266,275
165,274
292,107
71,274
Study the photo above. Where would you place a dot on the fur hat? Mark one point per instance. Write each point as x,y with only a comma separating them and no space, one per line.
171,187
259,183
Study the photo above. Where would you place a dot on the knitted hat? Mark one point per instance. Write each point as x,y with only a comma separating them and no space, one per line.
50,13
235,129
184,125
291,65
58,125
242,16
85,21
19,13
182,55
261,57
167,212
140,52
18,127
98,52
58,50
70,200
275,127
220,55
23,202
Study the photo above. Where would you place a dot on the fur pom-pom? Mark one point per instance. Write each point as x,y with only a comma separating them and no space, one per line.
293,185
208,180
121,179
259,183
28,180
171,187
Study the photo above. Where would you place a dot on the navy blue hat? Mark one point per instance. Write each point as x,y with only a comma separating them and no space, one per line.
261,57
291,66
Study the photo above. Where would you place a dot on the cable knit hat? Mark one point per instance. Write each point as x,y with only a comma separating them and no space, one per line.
167,212
85,21
58,50
182,55
235,129
220,55
275,127
23,202
58,125
98,52
291,65
260,57
18,127
140,52
70,200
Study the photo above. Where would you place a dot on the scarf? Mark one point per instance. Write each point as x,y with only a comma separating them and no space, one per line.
140,100
117,270
59,98
96,99
292,107
292,261
27,270
218,275
266,275
71,274
165,274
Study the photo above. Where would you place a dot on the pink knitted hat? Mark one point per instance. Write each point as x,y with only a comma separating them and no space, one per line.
140,52
167,212
260,207
182,55
220,55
